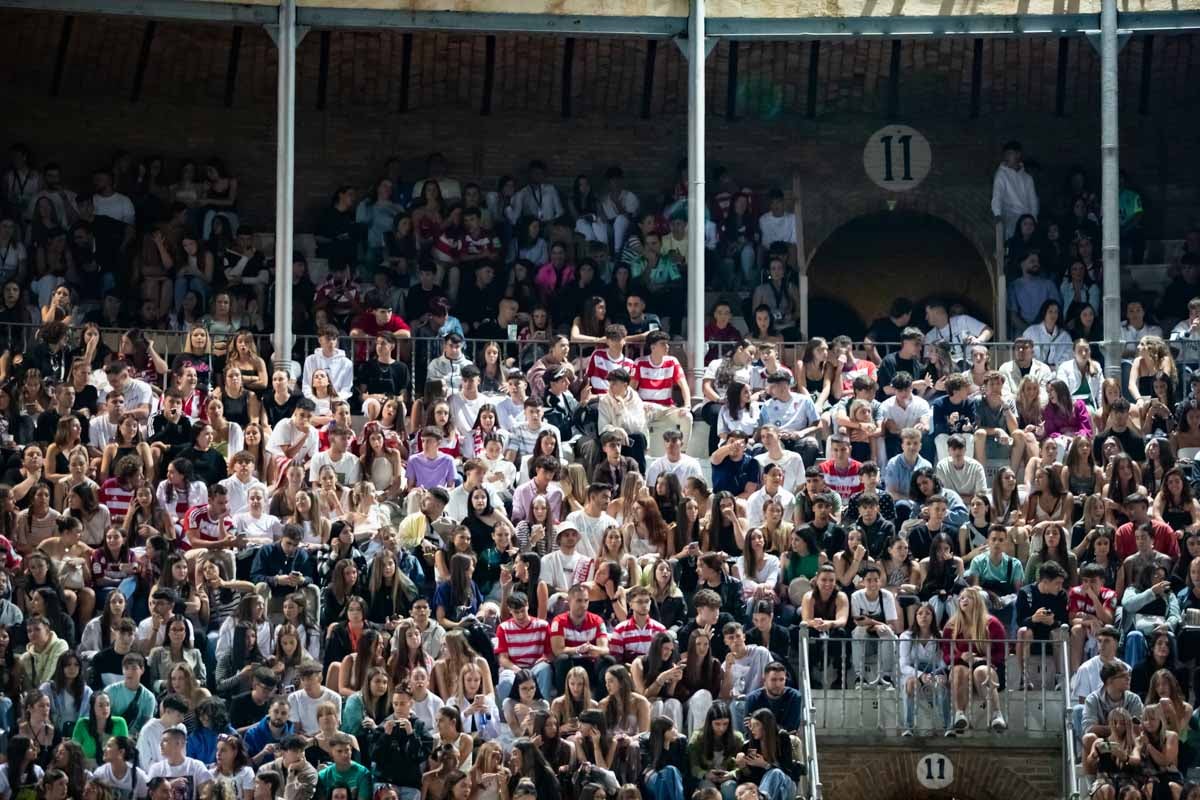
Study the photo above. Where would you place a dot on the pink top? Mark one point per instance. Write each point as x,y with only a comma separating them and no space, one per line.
1078,423
548,281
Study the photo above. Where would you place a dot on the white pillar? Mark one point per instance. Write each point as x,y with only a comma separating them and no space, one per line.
1111,236
285,170
696,52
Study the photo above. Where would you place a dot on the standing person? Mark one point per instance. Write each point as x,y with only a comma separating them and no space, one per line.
1013,192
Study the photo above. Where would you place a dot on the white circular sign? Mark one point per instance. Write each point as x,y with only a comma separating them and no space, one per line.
897,158
935,771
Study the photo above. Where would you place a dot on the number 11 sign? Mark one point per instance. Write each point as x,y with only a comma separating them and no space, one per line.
897,158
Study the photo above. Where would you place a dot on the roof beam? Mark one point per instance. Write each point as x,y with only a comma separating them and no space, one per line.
472,21
183,10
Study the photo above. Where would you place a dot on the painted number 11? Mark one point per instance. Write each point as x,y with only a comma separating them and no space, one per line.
905,142
941,767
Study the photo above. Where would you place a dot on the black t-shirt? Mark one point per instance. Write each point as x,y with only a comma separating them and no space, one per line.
13,476
278,412
1131,443
884,330
388,379
243,711
893,364
416,303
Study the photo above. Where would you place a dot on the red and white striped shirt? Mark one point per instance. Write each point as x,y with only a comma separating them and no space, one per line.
845,482
600,364
655,384
523,645
629,641
116,498
590,631
198,524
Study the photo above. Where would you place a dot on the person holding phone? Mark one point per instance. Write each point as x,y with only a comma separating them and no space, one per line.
400,745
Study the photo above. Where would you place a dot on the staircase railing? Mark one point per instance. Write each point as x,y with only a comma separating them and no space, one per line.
809,728
1070,777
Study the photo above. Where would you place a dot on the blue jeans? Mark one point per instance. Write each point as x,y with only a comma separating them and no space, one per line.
737,710
776,785
666,784
941,703
543,676
1135,648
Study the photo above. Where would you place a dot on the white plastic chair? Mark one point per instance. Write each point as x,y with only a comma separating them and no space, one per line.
1188,452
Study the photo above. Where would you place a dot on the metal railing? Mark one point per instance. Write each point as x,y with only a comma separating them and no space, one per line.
812,765
1070,778
1029,703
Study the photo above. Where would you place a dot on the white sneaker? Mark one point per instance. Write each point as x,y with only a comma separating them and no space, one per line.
998,723
960,721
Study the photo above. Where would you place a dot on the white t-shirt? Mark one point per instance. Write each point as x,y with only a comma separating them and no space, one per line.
285,434
749,669
591,531
347,467
427,710
304,708
882,606
244,780
149,743
791,464
238,493
130,787
6,787
558,569
116,206
190,775
777,229
686,467
954,331
266,527
758,501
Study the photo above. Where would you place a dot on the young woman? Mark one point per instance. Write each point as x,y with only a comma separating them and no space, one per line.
409,654
606,591
523,702
370,705
1115,761
596,749
1082,375
658,676
235,666
289,655
902,576
766,758
575,701
344,631
457,654
1048,504
177,648
1153,357
757,569
940,572
118,772
1054,548
381,464
37,724
1174,503
1160,457
320,750
458,597
1159,747
69,695
233,764
739,413
369,653
666,599
817,375
1124,481
1065,415
922,671
975,651
480,718
848,563
279,401
1053,342
320,390
625,711
93,731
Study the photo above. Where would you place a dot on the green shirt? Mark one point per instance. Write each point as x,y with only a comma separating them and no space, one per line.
1129,205
356,779
94,750
136,706
983,568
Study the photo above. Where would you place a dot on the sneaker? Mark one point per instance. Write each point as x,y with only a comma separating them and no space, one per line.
998,723
885,682
950,734
860,682
906,733
960,721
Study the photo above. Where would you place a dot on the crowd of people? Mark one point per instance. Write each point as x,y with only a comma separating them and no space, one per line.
402,572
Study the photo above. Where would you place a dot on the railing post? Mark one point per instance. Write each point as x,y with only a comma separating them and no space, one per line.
1070,787
1001,286
812,766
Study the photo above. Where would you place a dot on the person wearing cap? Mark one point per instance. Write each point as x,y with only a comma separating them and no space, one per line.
449,366
733,469
1164,539
561,407
556,356
418,526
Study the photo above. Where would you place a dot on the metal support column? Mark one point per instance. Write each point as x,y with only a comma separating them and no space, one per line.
697,52
286,37
1109,155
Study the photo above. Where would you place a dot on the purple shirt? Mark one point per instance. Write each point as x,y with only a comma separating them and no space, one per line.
429,472
1079,423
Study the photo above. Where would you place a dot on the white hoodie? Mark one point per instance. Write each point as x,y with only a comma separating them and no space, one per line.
340,369
1013,194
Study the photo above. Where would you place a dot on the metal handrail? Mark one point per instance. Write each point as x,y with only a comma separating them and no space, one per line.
1070,778
811,764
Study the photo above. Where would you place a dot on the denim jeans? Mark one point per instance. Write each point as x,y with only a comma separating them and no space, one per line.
666,784
776,785
935,692
543,676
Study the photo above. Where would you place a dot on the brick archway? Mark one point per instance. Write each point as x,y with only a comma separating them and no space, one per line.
967,210
980,774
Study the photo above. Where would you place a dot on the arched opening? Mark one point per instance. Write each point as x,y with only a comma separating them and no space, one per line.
866,263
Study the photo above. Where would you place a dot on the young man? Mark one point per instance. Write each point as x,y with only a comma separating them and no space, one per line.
510,412
1163,538
885,332
1041,610
578,638
778,225
632,636
107,666
1113,693
961,473
708,617
418,526
876,530
209,527
592,520
299,778
1086,677
604,360
448,367
906,359
426,704
102,429
957,330
621,409
745,665
522,642
431,468
304,701
523,437
999,573
433,635
823,528
1145,555
238,485
263,738
333,360
790,461
1135,327
186,774
655,377
611,471
903,411
344,462
897,475
953,412
793,415
152,631
171,711
559,565
875,617
777,697
842,473
545,469
171,429
1091,608
250,707
137,393
400,746
474,473
295,438
674,461
344,773
996,419
733,470
1118,427
772,489
921,535
130,699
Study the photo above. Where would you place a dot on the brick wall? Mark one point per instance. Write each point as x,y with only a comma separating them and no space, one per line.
982,771
181,112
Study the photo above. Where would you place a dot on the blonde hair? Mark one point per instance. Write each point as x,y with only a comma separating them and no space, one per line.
971,623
